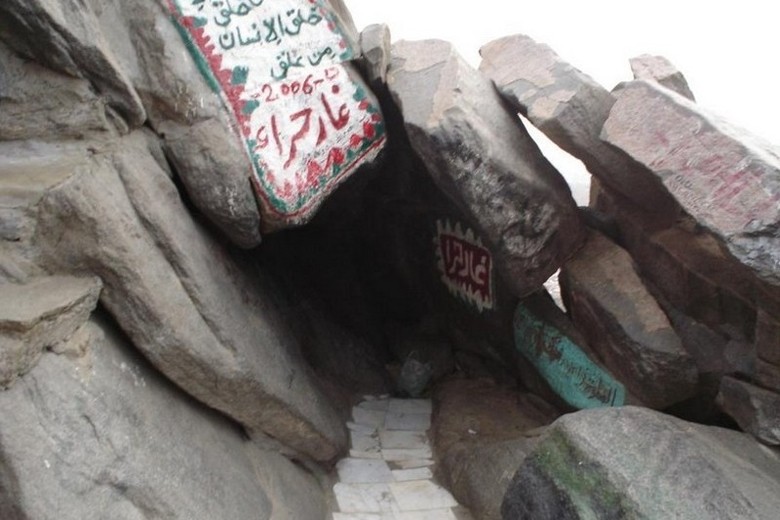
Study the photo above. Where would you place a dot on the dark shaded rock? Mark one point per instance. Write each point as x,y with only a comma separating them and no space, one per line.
103,435
481,157
549,340
40,314
767,375
622,321
724,178
478,447
570,108
208,323
768,337
661,71
632,463
757,411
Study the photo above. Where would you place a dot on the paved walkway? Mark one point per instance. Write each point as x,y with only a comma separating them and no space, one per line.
388,475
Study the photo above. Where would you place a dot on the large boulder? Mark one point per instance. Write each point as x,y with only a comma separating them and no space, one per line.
210,324
633,463
479,154
40,314
478,448
96,432
570,108
724,178
622,321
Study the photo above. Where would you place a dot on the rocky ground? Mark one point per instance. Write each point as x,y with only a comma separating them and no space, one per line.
222,224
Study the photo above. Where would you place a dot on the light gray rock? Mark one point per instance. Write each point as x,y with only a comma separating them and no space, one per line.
662,71
634,464
65,35
570,108
210,325
480,155
724,178
623,323
757,411
103,435
375,48
40,314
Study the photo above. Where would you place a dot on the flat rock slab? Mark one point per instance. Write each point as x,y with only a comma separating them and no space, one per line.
480,156
569,107
633,463
398,484
756,410
624,324
39,314
724,178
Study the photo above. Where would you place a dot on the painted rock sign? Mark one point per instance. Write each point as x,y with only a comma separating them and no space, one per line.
566,368
465,265
306,119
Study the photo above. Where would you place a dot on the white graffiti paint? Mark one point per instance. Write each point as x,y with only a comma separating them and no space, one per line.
465,264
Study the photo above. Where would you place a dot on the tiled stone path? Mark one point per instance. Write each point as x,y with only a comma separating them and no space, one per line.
388,475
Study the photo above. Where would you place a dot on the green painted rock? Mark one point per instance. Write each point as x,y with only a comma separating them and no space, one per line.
635,464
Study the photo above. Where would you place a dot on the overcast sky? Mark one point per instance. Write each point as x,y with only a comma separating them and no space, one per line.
728,50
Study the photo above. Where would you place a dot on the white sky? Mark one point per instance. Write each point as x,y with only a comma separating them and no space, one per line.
728,50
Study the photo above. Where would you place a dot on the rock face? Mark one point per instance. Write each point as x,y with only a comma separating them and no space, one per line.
660,70
724,178
480,447
757,411
481,157
623,322
570,108
40,314
99,434
632,463
193,310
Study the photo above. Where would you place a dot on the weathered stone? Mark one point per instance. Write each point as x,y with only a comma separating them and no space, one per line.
768,337
40,314
36,102
193,311
478,447
757,411
103,435
633,463
661,71
570,108
727,180
375,47
548,339
622,321
481,157
65,35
